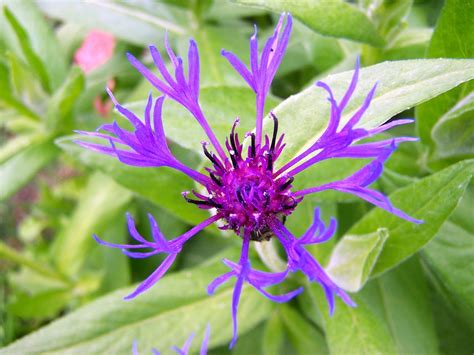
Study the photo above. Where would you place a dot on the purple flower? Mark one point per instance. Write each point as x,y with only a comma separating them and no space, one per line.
242,189
185,349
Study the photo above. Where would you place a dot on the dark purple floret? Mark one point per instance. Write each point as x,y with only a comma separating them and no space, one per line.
242,189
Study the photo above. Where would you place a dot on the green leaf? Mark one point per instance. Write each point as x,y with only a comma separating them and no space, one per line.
273,340
303,335
33,60
453,134
41,305
401,85
393,316
148,20
60,107
100,203
162,186
449,257
388,16
39,38
162,317
431,199
354,257
22,167
8,99
452,38
24,88
334,18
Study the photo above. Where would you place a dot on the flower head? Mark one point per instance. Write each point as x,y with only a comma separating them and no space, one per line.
242,188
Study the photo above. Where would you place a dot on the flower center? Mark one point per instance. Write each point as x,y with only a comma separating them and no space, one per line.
245,191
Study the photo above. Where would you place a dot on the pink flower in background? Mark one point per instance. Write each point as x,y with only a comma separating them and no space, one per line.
96,49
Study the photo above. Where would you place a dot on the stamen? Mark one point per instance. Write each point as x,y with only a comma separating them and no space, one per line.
267,199
201,202
214,160
233,159
293,204
286,184
269,162
240,197
252,145
232,136
275,131
215,179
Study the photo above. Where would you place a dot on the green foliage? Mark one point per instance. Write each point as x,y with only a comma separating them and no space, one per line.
452,38
328,17
155,318
60,292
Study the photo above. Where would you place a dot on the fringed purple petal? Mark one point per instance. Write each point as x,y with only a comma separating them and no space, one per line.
352,86
143,70
154,277
240,68
119,246
205,340
358,115
211,288
140,255
158,237
160,64
135,347
281,298
193,68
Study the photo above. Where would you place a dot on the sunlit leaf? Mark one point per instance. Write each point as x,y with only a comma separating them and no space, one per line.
431,199
162,317
329,17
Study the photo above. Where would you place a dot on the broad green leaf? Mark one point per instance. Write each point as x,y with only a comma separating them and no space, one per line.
401,85
431,199
100,203
24,88
149,21
452,38
162,317
18,143
354,257
393,316
453,134
162,186
40,39
42,305
449,257
455,336
410,44
22,167
388,16
273,339
8,98
60,107
303,335
335,18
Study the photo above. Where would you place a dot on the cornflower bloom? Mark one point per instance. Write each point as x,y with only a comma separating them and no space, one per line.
186,346
242,187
